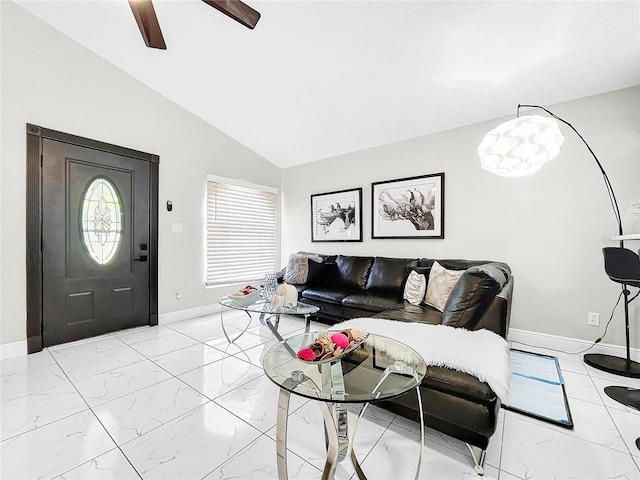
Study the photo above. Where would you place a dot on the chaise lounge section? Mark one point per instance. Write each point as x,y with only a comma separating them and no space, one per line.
454,403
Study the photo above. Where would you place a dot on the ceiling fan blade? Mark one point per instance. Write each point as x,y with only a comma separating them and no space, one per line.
147,21
239,11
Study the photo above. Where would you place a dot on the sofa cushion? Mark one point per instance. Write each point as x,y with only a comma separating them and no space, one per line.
412,313
353,271
323,294
387,274
421,270
370,302
473,293
452,263
441,282
331,312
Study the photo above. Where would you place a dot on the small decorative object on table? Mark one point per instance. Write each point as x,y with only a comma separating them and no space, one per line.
246,296
286,297
269,286
329,346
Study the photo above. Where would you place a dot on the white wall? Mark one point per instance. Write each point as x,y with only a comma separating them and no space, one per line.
549,227
49,80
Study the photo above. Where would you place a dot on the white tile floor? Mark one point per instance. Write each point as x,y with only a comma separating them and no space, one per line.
177,401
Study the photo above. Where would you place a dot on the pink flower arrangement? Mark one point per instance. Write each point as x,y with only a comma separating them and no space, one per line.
307,355
340,340
328,345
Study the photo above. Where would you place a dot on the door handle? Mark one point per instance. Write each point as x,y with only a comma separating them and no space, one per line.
141,258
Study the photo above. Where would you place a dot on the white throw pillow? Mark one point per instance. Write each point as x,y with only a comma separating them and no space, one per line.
441,282
415,288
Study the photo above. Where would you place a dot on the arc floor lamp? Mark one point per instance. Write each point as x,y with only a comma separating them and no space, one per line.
522,146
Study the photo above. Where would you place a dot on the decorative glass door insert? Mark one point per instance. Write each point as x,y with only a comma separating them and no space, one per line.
101,221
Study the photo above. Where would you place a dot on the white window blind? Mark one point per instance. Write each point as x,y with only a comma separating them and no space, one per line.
241,231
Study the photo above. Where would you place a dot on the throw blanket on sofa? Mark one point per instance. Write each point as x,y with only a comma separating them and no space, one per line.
481,353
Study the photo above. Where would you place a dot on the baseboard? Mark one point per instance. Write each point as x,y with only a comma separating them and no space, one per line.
13,349
188,313
566,344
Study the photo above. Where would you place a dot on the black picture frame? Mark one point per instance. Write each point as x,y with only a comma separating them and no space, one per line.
411,207
337,216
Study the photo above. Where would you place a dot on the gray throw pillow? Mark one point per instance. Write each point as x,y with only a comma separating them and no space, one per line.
297,269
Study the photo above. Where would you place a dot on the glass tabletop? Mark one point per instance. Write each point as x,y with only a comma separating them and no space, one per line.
263,306
381,368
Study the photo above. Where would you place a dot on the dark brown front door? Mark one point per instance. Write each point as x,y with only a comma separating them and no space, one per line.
97,244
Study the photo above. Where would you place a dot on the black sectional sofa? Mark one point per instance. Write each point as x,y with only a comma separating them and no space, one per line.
454,403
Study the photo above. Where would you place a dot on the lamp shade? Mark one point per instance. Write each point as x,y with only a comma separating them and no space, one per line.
520,146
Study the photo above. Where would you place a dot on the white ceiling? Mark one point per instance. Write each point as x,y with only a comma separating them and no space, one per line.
321,78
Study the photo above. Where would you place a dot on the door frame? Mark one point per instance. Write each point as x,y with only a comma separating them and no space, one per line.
35,137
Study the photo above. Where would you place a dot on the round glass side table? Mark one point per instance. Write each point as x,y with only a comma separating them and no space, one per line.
267,313
380,369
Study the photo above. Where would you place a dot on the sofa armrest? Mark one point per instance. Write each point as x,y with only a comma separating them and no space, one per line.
497,316
473,293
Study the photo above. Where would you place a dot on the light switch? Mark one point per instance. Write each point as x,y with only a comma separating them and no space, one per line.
176,227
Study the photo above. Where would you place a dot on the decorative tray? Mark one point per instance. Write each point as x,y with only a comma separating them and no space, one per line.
245,299
330,346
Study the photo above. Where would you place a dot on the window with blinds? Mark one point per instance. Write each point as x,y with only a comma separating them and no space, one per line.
241,231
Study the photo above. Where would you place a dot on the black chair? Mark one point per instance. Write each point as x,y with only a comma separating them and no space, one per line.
622,266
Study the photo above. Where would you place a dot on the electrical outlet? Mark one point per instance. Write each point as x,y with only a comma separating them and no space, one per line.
593,319
177,295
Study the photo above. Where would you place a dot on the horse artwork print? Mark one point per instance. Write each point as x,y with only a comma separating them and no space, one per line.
337,216
408,207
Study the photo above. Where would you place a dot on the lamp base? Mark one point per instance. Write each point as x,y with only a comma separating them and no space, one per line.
625,395
615,365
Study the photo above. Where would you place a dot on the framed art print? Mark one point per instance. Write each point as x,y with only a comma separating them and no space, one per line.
408,207
337,216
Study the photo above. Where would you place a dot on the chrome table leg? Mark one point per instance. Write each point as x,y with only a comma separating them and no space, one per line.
397,367
419,469
281,433
225,330
331,431
307,322
333,381
354,459
342,425
274,328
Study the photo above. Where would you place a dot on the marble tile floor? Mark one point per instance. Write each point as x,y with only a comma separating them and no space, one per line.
177,401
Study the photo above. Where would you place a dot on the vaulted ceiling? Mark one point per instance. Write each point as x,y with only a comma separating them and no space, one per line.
316,79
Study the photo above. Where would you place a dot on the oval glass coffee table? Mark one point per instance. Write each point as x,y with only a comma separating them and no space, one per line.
380,369
267,312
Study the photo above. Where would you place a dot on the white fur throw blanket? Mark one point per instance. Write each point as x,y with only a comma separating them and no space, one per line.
480,353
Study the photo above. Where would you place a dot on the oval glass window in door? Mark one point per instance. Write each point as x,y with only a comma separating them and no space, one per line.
101,221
